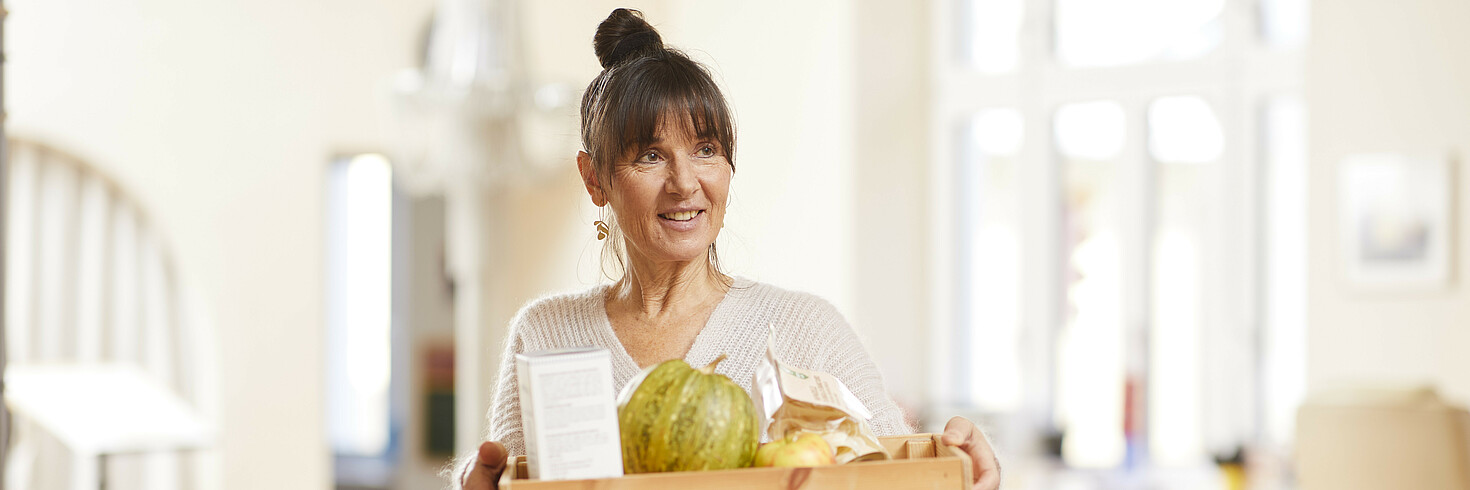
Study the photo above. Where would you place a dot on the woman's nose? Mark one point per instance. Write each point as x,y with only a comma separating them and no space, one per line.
682,180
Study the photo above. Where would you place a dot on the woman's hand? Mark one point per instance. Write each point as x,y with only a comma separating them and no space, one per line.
963,434
484,474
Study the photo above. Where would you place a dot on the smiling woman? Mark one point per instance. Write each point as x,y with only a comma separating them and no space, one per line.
649,105
658,150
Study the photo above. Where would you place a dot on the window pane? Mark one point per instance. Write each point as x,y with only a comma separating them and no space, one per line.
997,132
1175,337
1090,130
989,34
1184,130
1284,278
989,237
1090,363
359,279
1284,23
1185,139
1091,33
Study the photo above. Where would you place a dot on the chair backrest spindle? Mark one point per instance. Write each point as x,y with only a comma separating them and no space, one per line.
21,238
92,269
57,257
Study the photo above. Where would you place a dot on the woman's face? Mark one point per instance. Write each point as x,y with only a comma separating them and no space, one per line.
669,198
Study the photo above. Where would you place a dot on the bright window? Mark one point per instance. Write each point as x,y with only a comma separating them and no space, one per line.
1184,129
1091,33
1284,23
1185,142
1091,131
359,307
991,236
1284,283
1120,188
1090,346
996,25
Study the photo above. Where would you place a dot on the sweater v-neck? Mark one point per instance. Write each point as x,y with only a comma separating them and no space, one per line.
697,355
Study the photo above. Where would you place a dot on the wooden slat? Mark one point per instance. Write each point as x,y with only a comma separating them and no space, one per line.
122,340
50,453
160,471
94,216
916,449
20,275
124,472
56,254
157,311
190,339
20,465
178,333
85,470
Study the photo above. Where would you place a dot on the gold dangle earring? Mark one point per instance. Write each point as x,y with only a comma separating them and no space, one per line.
602,230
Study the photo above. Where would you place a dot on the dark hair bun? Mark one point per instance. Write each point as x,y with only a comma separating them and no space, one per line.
622,36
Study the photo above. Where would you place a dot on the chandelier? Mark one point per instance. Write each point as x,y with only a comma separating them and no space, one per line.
470,113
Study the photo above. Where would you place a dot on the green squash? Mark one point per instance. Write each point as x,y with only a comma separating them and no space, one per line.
677,418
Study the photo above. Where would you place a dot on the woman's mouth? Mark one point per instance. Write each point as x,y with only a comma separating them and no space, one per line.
681,215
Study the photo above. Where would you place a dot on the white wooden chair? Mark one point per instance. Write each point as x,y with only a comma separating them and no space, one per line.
110,372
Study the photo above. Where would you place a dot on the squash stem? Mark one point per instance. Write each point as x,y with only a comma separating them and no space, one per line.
710,369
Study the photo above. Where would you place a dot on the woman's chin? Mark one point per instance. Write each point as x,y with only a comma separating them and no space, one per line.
689,257
666,246
691,253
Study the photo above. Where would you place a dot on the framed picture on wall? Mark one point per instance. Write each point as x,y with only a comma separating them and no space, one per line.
1394,222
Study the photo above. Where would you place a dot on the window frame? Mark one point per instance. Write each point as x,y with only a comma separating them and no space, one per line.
1238,78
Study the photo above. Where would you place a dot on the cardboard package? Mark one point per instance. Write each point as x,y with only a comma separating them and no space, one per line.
1382,438
568,414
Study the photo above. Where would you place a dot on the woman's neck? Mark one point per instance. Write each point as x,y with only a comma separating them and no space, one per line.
668,289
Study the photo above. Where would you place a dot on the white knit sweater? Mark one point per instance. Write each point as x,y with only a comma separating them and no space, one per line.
810,334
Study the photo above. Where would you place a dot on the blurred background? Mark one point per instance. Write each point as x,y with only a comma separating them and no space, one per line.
274,244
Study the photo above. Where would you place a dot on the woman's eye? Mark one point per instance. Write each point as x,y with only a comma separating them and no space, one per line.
649,156
707,151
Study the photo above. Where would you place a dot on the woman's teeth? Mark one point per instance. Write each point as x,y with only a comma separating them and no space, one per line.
680,216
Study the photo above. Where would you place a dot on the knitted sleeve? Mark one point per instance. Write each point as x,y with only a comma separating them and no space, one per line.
848,360
505,410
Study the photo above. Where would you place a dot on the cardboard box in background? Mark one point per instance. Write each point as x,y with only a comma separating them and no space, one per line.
1382,438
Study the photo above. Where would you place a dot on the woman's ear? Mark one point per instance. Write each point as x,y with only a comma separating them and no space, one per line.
589,179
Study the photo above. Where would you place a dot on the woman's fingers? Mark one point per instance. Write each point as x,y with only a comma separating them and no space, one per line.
489,464
958,431
962,433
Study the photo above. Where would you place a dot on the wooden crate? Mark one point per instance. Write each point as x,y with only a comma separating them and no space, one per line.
920,461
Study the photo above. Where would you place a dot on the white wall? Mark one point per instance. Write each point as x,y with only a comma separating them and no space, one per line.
1387,76
890,201
220,117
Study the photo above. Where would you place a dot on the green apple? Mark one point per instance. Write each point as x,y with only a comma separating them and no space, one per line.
797,449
